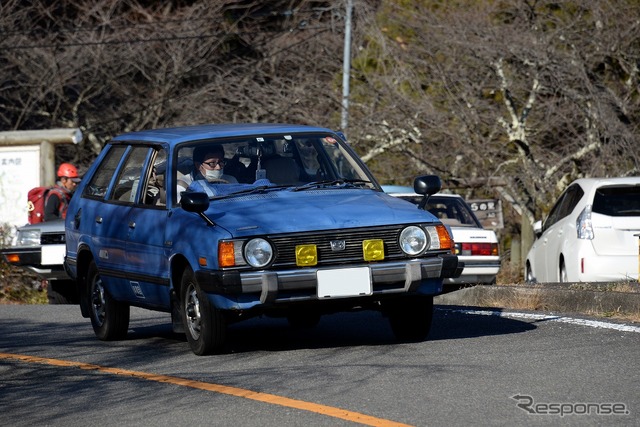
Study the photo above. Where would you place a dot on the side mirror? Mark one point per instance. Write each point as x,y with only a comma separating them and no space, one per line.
537,228
196,202
427,185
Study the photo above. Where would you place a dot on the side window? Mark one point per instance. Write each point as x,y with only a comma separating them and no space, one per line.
554,215
155,194
565,205
97,187
574,194
128,182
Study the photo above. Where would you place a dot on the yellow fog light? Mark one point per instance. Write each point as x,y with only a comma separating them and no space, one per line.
373,250
306,255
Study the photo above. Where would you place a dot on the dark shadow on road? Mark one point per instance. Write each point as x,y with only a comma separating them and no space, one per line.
152,331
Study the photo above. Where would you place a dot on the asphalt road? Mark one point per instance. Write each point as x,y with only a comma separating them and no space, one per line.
346,371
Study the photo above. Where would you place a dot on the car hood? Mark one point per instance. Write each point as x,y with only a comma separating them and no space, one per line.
294,211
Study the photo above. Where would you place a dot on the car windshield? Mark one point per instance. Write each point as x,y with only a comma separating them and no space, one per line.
450,210
267,163
617,201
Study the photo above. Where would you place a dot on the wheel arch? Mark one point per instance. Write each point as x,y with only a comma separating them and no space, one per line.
178,264
84,258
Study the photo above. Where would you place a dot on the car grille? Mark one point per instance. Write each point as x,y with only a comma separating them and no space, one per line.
52,238
353,238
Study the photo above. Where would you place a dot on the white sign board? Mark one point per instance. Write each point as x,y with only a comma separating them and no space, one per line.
489,212
19,173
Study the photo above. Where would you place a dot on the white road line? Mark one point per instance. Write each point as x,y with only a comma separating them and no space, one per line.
546,317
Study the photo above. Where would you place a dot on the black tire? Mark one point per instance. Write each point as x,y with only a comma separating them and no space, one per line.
109,318
303,319
204,325
62,292
410,318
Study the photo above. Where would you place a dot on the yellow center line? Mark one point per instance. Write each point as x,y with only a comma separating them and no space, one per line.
273,399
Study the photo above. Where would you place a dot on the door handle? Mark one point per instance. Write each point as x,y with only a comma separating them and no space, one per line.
132,224
98,220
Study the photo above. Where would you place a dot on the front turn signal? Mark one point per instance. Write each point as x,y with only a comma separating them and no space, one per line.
446,241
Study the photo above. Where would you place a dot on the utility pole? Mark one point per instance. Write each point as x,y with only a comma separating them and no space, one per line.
346,67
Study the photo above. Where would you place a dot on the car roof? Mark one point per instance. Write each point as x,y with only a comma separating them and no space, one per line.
190,133
599,182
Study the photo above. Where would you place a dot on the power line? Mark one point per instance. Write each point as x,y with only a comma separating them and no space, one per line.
157,25
148,40
187,94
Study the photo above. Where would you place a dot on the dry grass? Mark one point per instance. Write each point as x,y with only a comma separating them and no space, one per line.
17,286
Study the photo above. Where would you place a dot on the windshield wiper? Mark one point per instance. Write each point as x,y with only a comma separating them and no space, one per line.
341,183
261,189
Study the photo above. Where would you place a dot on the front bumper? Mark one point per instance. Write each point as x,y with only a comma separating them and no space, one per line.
283,286
482,271
45,261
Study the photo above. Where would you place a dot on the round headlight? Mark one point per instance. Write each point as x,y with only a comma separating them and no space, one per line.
413,240
258,253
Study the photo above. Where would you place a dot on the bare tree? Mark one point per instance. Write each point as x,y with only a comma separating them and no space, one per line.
118,65
511,99
536,93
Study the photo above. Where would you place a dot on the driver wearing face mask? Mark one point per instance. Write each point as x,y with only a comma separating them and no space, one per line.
208,162
209,165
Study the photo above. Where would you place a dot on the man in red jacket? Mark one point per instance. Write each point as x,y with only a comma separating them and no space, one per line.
58,197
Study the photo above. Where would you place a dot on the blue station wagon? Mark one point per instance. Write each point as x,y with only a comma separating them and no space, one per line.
219,223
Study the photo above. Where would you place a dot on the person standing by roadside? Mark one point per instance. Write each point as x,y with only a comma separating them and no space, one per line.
60,194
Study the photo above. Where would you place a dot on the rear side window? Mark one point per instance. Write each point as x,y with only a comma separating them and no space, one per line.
617,201
129,179
99,183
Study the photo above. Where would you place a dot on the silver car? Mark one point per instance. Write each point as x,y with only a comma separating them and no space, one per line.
40,249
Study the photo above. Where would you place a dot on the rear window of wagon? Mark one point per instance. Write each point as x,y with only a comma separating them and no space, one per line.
617,201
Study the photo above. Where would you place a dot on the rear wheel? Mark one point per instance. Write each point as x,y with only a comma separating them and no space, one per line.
109,318
410,318
205,325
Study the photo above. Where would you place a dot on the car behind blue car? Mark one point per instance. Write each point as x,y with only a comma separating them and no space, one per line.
294,225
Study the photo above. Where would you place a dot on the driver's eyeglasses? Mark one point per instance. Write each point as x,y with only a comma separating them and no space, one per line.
213,163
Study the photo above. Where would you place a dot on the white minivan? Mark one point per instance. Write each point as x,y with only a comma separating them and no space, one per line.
590,235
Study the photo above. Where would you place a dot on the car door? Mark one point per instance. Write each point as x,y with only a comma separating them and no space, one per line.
540,259
558,231
146,252
98,218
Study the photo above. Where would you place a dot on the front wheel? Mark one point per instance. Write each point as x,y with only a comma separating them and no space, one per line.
564,277
410,318
205,325
528,275
109,318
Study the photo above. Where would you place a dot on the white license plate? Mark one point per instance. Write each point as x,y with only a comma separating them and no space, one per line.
344,282
52,254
